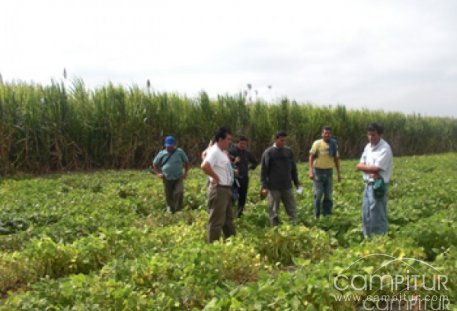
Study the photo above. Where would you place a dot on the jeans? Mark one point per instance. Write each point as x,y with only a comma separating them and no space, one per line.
374,212
323,186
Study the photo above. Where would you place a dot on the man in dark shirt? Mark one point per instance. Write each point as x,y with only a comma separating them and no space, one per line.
241,159
278,171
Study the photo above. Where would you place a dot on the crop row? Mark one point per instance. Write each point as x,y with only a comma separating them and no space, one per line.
104,241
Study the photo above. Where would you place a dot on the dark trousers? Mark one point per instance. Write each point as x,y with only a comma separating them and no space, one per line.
220,212
174,193
287,198
242,194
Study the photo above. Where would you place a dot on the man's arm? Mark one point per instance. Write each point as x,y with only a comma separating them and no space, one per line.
312,157
208,170
156,167
369,169
337,165
310,165
185,160
294,171
157,170
264,167
186,169
253,161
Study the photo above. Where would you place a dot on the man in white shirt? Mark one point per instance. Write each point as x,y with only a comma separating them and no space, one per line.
218,167
376,163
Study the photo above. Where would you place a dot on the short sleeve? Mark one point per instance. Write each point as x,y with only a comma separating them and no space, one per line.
211,156
158,158
313,149
184,157
384,159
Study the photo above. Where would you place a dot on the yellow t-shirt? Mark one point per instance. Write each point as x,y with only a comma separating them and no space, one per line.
324,160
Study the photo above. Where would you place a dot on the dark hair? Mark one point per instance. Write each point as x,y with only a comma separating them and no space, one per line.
242,138
281,133
375,127
326,128
221,133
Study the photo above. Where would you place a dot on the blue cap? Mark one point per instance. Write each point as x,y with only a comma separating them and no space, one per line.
169,141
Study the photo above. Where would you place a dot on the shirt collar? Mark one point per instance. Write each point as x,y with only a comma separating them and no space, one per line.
380,142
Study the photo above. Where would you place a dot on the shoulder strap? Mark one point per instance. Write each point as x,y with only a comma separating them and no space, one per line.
170,154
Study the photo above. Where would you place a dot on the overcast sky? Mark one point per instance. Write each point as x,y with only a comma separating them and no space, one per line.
386,54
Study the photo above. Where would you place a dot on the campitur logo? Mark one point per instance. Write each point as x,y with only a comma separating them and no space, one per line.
398,283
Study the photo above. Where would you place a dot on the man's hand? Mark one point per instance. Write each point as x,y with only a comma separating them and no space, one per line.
264,193
160,175
368,169
360,167
214,180
311,175
374,176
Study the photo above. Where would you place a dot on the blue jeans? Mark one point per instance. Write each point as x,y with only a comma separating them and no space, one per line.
374,212
323,186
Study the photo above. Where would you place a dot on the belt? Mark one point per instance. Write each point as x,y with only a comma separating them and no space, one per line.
224,186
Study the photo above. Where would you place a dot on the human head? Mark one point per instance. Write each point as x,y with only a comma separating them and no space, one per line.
169,142
242,143
223,138
280,139
326,133
375,130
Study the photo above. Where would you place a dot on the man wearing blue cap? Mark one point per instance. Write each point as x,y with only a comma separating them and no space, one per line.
171,165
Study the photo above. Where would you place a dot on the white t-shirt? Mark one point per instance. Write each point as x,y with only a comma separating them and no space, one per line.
380,156
221,165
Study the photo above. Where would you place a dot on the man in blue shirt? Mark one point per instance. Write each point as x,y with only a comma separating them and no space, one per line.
171,165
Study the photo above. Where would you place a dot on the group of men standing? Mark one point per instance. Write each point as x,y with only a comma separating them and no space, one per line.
228,167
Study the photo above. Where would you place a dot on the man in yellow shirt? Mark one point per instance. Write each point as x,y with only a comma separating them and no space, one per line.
322,157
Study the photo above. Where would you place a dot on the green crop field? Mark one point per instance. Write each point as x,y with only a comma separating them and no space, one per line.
103,241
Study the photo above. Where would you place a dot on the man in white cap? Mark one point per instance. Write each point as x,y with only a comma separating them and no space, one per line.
171,165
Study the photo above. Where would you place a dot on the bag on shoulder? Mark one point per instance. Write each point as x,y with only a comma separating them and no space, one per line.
333,147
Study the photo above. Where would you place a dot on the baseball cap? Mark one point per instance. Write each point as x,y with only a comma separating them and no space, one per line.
169,141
